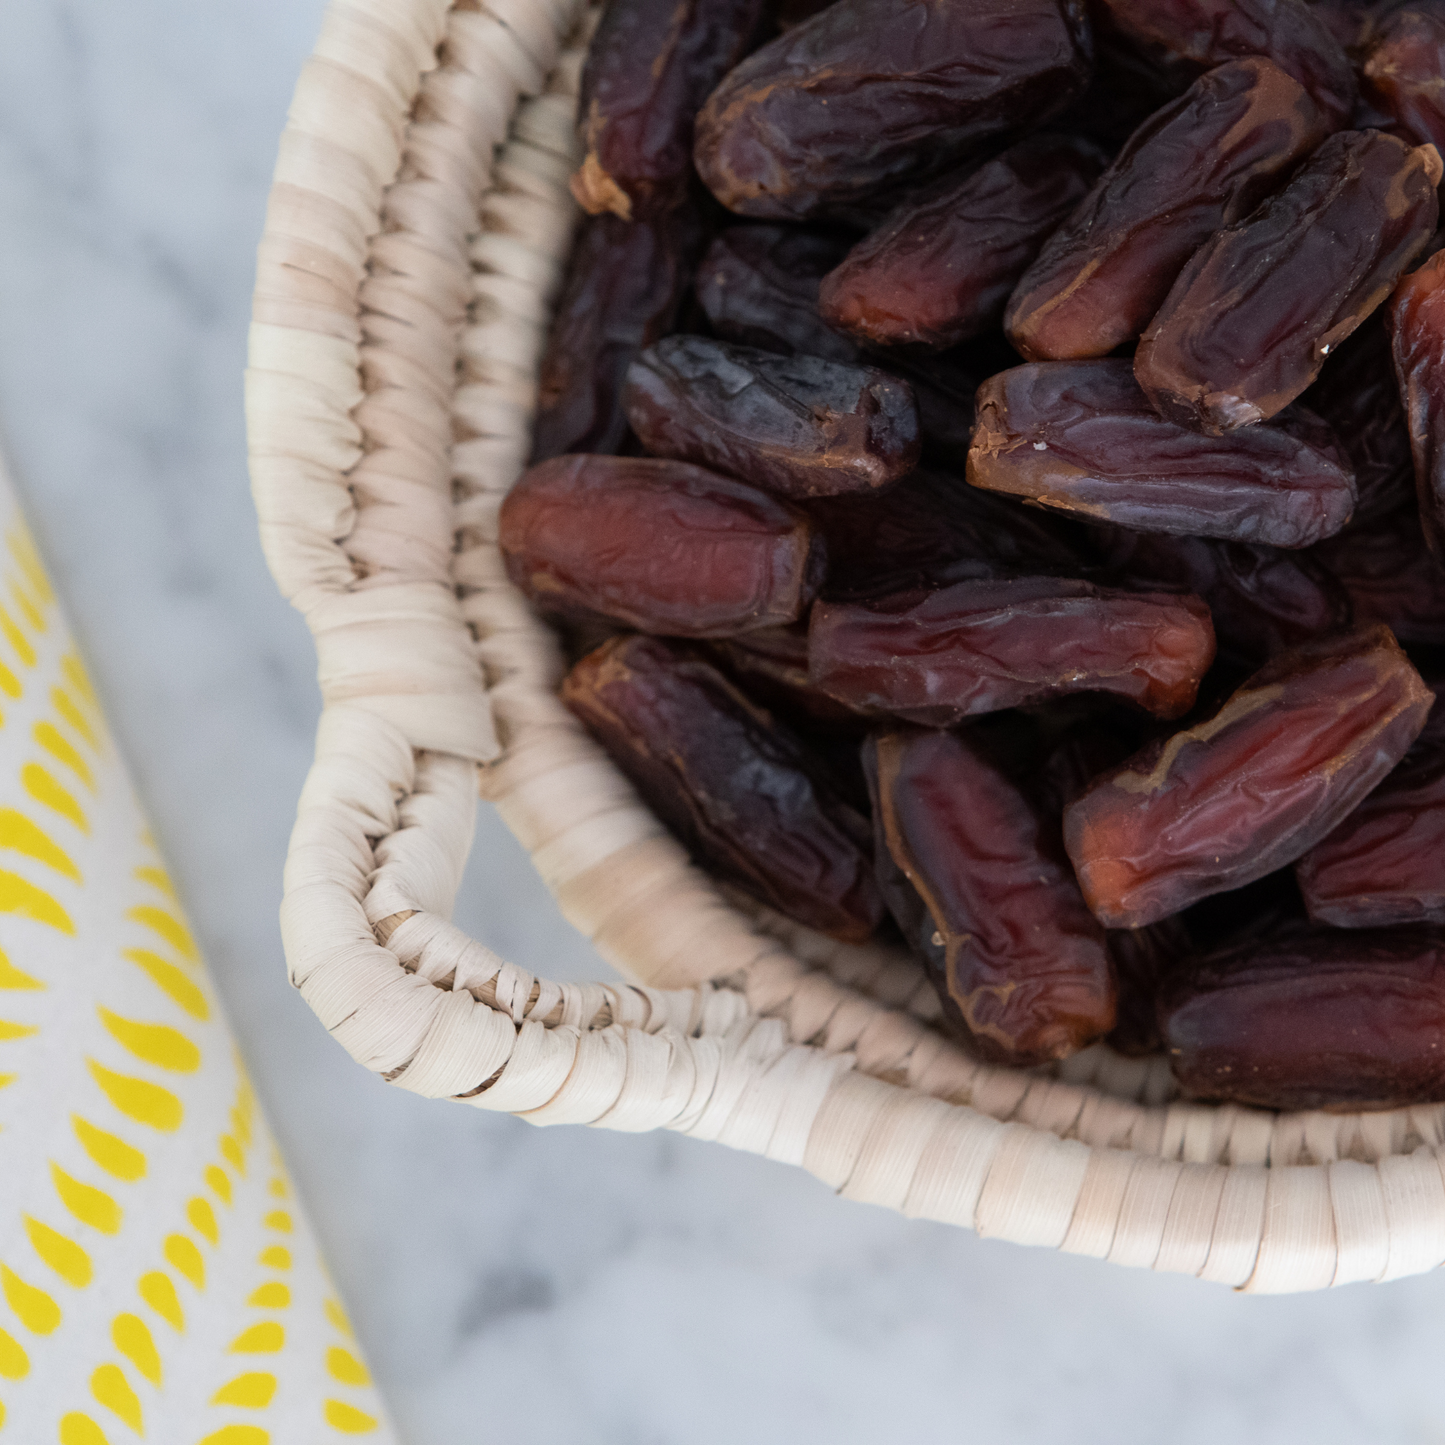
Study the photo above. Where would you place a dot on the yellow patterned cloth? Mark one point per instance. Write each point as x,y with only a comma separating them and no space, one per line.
159,1280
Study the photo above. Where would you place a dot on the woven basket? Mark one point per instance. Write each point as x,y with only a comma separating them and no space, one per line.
417,230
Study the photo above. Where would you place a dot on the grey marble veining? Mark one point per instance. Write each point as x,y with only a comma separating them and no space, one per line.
512,1284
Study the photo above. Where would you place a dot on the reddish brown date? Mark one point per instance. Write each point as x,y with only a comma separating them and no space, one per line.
1357,395
1254,314
734,785
1020,965
660,545
1318,1020
1290,754
1080,437
1404,74
795,425
1203,162
624,286
934,528
1263,601
1385,864
940,269
871,93
1390,575
1209,32
650,65
759,286
1417,317
978,647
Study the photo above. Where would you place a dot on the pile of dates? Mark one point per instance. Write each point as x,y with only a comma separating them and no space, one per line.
990,472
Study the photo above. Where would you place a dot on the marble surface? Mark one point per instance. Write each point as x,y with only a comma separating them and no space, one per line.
511,1284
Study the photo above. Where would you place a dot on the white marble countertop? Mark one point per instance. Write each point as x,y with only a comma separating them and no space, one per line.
511,1284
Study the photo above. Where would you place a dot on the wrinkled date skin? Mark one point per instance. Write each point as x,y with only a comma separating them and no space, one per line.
1385,864
1080,437
660,545
1203,162
933,528
1210,32
872,93
624,286
734,785
1288,756
1390,575
941,268
759,286
798,426
650,65
1252,317
1404,74
978,647
1263,601
1320,1020
1357,395
1019,962
1417,318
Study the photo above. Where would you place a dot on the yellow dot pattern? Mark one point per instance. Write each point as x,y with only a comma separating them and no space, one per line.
157,1281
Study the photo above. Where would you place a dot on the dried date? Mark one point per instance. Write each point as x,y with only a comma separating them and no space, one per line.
798,426
1203,162
1385,864
1081,437
1404,74
758,285
1357,395
624,286
981,646
770,664
1290,754
650,65
933,528
1210,32
1318,1020
733,784
1417,317
941,268
1263,601
1020,964
1254,314
660,545
1390,575
871,93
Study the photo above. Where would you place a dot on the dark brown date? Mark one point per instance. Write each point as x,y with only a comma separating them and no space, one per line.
934,528
871,93
1210,32
1203,162
770,664
1290,754
1019,963
1254,314
1318,1020
795,425
1390,575
1263,601
660,545
624,286
1385,864
759,286
650,65
941,268
1080,437
978,647
1417,317
1404,74
734,785
1357,395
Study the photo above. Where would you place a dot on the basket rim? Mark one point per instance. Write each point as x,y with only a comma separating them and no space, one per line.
376,476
